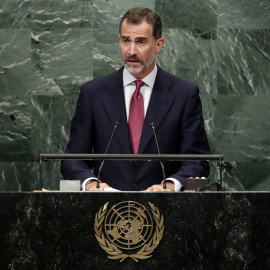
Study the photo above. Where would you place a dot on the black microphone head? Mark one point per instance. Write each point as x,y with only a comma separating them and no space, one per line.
151,120
118,119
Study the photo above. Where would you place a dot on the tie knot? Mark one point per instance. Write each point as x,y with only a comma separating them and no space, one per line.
139,84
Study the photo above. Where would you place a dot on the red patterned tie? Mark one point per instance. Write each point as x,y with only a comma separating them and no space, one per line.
136,117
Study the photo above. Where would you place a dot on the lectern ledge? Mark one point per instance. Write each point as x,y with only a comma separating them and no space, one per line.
145,157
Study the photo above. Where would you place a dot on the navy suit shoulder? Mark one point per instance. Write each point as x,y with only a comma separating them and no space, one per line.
176,83
100,84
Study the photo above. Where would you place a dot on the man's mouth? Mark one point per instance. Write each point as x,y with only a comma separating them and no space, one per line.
132,60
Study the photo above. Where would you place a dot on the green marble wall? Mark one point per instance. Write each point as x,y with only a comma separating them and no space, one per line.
48,48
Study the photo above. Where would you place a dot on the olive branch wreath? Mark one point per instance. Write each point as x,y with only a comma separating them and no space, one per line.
114,252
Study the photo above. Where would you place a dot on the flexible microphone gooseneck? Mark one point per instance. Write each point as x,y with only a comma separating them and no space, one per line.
116,124
152,124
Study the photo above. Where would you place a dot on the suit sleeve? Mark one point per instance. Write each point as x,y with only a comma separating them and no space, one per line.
193,140
81,141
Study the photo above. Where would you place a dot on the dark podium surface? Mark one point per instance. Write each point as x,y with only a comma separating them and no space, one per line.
212,230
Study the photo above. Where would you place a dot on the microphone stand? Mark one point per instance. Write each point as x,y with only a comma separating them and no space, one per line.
161,162
116,123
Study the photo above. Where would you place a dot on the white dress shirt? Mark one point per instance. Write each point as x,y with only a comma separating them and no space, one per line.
129,87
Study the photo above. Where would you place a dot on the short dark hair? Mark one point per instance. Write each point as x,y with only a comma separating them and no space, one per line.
138,14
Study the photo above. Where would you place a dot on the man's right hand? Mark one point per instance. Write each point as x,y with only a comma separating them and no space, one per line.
91,186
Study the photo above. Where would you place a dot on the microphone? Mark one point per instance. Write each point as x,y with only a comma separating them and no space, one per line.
152,124
116,124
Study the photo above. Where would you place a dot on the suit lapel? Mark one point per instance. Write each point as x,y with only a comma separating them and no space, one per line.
114,104
159,105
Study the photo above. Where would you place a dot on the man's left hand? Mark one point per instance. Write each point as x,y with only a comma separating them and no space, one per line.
155,188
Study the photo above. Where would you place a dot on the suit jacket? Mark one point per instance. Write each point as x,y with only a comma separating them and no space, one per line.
176,107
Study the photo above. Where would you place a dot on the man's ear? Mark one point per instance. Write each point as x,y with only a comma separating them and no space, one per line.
159,44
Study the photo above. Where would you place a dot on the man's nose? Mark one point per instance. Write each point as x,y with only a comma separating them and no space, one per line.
132,50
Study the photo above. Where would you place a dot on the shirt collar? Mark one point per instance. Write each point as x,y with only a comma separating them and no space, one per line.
149,79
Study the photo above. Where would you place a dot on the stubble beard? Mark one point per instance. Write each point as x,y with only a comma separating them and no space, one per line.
134,69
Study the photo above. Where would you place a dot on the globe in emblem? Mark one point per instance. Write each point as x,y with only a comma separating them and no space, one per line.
128,225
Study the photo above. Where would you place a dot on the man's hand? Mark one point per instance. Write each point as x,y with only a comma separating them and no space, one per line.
91,186
169,187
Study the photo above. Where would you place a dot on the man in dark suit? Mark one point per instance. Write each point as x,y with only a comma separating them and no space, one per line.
173,103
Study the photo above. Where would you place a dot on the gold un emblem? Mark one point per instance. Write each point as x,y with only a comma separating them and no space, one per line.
129,230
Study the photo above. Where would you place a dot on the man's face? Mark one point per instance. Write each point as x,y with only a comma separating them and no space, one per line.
138,48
